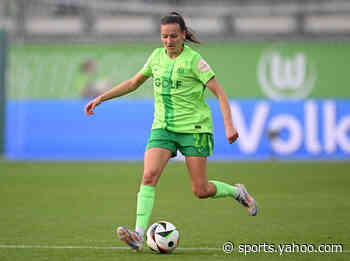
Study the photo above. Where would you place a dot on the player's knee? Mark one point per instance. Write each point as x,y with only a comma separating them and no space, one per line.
150,177
200,192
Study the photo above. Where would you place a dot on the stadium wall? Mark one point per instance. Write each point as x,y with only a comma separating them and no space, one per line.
292,130
289,101
3,56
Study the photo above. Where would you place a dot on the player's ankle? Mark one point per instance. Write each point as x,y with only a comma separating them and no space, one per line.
140,231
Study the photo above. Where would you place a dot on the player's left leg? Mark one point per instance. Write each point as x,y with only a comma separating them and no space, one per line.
198,177
196,148
203,188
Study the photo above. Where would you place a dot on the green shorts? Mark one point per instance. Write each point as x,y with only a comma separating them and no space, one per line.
189,144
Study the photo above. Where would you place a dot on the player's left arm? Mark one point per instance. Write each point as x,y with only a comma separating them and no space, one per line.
215,88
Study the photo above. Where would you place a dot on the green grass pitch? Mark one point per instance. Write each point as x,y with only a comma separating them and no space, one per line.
48,207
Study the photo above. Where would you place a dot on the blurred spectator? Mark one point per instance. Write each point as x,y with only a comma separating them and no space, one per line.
89,82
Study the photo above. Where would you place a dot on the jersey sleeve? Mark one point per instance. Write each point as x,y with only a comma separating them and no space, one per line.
202,69
147,68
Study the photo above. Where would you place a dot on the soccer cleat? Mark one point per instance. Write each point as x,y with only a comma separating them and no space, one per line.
131,238
246,200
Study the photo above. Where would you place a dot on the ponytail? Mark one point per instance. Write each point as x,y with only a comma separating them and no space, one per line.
176,18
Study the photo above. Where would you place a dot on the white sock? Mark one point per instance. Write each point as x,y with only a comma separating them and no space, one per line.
140,231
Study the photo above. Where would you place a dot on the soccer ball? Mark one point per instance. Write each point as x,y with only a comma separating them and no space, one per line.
162,237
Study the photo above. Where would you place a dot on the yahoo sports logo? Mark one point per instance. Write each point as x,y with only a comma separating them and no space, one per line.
284,73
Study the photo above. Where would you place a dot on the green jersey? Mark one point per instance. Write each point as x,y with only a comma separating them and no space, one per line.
179,85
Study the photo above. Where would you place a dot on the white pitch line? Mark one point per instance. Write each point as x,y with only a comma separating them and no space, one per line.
95,247
117,248
61,247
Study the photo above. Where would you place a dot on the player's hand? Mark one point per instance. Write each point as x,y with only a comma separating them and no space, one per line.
231,134
90,107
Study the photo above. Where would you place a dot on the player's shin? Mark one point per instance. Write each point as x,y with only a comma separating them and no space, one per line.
223,189
145,202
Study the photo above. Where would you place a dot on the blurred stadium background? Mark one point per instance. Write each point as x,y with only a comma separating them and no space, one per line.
285,67
269,56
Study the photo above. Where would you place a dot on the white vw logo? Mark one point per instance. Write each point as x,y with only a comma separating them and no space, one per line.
286,75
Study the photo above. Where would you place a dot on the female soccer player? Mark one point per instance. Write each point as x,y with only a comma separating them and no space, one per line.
182,121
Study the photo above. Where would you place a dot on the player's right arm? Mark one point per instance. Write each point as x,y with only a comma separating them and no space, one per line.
120,90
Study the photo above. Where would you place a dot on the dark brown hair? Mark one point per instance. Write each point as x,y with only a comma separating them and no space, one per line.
176,18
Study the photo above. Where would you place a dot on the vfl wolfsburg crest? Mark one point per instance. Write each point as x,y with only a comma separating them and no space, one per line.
180,71
286,74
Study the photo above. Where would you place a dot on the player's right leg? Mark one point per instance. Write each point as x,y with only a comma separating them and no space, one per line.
132,238
154,162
